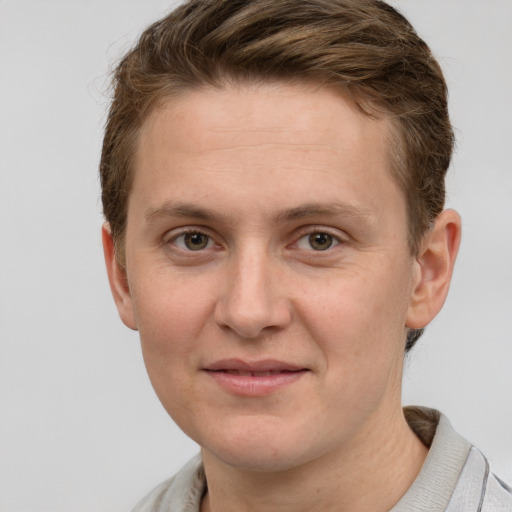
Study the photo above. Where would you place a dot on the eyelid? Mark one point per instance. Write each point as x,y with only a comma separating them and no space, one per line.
302,232
172,235
305,231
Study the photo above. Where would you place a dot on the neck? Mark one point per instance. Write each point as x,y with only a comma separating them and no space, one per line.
372,474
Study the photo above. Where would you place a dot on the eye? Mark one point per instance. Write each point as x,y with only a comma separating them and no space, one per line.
318,241
193,241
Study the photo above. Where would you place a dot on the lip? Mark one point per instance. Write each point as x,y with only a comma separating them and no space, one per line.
254,378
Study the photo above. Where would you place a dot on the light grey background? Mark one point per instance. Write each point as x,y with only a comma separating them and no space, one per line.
80,427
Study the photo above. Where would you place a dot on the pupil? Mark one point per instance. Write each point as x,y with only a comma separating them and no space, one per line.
196,241
320,241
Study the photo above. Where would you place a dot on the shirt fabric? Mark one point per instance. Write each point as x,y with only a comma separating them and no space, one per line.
455,476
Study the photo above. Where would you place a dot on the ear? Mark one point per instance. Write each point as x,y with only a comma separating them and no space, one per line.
434,265
118,280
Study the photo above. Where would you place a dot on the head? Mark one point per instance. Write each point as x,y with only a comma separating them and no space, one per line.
365,49
272,180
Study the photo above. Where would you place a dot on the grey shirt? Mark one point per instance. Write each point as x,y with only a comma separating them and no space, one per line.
454,478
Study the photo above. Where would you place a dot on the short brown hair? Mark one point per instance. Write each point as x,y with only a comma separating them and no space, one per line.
363,47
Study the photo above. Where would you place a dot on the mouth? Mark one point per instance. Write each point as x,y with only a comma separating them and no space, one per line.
244,373
255,378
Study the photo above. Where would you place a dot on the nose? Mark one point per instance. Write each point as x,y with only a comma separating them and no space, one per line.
252,302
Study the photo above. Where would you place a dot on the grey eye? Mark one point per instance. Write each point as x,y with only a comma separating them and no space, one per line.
196,241
317,241
192,241
320,241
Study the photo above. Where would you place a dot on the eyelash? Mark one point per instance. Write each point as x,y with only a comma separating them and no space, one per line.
335,240
191,231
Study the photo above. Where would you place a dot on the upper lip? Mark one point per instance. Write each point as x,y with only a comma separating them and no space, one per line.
265,365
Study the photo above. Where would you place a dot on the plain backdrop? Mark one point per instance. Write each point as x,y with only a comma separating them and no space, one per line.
80,427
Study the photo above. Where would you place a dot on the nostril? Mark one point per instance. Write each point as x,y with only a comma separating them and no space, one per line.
251,322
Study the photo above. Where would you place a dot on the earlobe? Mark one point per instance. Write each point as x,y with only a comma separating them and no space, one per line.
118,280
434,266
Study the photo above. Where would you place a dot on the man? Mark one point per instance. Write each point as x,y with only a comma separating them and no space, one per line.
273,185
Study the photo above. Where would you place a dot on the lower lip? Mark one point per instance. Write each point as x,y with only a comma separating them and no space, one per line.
249,385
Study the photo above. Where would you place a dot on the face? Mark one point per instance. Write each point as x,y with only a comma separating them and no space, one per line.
268,271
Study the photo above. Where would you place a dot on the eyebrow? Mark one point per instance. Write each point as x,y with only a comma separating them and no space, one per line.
308,210
320,209
182,210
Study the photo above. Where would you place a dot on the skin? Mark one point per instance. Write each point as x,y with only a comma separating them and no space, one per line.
251,172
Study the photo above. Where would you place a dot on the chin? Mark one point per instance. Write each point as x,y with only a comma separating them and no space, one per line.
261,447
257,458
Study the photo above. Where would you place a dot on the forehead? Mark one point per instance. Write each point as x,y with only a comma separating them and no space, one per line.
288,143
210,118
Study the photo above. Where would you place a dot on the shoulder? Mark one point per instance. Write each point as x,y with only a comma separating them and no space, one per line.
182,492
479,488
498,496
456,477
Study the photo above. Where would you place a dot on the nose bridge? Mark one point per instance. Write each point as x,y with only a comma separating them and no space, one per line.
252,300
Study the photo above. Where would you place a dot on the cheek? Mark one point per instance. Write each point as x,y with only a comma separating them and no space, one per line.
358,322
170,310
171,318
355,313
169,336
